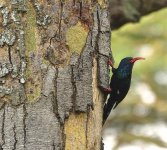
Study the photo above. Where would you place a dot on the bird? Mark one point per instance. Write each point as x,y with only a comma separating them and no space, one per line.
119,84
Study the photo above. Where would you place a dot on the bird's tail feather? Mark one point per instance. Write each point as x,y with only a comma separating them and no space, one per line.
107,109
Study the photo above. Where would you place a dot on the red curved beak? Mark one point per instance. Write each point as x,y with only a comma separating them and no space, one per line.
136,58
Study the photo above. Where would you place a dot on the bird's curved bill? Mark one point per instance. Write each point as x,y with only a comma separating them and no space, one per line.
136,58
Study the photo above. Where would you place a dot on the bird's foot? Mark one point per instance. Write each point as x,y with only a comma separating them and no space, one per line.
110,63
106,90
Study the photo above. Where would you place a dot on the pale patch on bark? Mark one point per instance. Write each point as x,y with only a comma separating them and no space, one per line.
75,131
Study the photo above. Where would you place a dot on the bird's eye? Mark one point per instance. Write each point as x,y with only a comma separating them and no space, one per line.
130,61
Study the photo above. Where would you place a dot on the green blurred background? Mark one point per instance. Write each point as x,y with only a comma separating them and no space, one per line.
140,121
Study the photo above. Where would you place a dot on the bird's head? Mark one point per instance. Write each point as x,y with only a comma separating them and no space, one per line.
126,65
129,61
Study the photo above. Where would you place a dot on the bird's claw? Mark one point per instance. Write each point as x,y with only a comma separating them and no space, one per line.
110,63
107,90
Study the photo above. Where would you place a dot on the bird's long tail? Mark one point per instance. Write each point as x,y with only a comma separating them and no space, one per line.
107,108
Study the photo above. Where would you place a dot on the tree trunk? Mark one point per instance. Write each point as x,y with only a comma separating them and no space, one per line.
53,58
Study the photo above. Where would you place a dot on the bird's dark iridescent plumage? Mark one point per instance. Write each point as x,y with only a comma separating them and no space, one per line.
120,84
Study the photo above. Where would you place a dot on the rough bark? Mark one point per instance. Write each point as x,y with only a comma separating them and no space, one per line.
49,89
124,11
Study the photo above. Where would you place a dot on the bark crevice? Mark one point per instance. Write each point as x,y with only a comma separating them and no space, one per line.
24,123
15,137
3,131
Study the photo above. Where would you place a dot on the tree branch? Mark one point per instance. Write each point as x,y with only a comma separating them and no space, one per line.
124,11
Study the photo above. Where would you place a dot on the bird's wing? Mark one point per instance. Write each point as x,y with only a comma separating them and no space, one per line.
121,92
